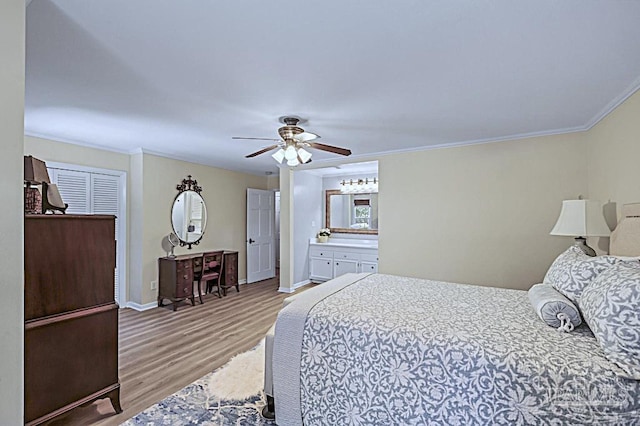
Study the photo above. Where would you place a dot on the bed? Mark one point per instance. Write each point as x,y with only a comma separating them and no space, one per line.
367,349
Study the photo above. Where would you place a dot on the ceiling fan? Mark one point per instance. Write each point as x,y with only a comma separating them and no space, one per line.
292,143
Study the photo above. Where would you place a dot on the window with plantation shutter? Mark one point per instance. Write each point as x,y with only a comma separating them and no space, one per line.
93,193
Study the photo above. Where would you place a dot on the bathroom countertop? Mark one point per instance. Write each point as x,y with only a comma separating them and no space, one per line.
346,243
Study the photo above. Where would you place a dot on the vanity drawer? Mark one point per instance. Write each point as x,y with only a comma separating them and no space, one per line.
345,255
184,289
183,267
369,257
319,252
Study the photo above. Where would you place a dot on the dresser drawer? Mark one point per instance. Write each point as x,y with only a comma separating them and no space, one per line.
319,252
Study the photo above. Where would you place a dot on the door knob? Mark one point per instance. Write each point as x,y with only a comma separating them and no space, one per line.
251,241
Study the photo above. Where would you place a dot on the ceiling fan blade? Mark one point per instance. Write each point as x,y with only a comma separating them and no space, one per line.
329,148
306,137
262,151
256,139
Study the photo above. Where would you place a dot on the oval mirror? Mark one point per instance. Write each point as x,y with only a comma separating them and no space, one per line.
189,214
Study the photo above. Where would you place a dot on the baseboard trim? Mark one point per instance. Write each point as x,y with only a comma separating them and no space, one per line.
294,287
138,307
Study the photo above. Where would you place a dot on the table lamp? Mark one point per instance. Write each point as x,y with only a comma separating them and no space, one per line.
581,219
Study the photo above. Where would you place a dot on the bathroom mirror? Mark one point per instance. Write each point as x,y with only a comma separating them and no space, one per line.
351,213
189,213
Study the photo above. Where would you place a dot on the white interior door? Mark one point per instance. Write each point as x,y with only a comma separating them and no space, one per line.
260,235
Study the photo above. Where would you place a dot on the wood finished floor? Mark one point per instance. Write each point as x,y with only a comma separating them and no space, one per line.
161,351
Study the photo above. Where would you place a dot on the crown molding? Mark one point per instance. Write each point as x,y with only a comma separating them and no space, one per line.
615,103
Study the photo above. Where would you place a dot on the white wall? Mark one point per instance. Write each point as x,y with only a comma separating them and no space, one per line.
478,214
307,211
12,45
286,230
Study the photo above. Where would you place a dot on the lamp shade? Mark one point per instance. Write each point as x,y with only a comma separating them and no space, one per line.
35,171
279,155
304,155
581,218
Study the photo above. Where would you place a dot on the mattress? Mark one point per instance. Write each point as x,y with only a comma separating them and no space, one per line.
383,349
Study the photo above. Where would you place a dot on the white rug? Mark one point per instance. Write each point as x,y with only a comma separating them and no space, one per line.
240,378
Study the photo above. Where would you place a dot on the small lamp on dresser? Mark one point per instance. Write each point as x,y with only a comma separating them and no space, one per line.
581,219
35,173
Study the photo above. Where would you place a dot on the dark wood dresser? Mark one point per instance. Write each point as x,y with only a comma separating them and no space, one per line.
176,276
71,318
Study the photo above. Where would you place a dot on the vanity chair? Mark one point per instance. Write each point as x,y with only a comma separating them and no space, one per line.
211,270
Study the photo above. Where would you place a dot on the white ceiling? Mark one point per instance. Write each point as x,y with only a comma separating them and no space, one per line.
181,78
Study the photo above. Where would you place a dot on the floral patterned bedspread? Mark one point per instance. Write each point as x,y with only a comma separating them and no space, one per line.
391,350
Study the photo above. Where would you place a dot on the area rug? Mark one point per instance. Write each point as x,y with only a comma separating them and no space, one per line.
231,395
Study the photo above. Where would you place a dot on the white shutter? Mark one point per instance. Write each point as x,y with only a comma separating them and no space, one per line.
75,190
105,200
104,194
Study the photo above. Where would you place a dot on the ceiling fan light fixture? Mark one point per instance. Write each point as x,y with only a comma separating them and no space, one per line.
290,153
278,155
304,155
293,162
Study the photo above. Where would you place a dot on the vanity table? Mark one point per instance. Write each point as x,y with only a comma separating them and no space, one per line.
176,276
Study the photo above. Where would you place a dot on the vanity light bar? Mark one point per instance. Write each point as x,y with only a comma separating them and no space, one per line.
359,185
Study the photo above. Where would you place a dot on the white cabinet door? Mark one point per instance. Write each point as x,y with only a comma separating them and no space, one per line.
320,269
341,267
369,267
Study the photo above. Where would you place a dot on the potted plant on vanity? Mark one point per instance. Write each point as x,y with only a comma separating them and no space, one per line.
323,235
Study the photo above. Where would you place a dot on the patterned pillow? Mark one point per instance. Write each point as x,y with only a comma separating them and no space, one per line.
553,308
573,270
611,307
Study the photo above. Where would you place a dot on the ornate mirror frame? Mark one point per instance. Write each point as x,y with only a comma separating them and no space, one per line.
187,187
327,217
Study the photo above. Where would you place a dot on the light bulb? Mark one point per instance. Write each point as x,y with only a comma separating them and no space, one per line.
290,153
304,155
279,155
293,162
